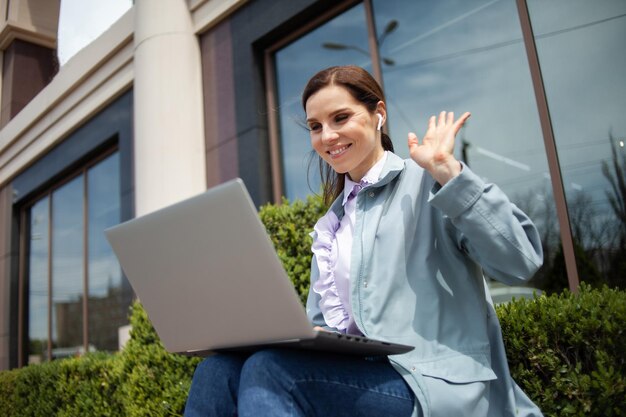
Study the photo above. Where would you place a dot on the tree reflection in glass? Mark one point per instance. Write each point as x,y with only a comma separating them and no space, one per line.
38,284
580,45
109,293
469,56
67,268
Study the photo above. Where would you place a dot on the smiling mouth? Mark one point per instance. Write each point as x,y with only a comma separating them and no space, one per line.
339,151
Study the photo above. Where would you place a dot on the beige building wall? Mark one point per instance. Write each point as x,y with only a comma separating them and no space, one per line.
87,83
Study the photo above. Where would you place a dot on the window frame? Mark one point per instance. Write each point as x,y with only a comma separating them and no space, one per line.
24,256
270,89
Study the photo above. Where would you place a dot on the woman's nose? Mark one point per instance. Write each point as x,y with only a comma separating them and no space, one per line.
329,134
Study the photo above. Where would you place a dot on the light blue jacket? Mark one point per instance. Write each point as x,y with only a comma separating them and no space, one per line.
418,258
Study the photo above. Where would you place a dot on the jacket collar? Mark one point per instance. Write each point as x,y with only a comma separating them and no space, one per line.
393,166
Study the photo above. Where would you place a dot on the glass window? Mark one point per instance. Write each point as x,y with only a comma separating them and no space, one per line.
79,258
341,41
67,268
469,56
583,62
109,293
38,284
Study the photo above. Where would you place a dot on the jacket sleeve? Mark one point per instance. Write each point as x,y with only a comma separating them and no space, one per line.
489,228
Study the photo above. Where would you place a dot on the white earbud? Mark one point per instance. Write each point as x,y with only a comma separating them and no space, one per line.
380,121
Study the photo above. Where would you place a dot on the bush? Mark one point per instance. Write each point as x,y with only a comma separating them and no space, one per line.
289,226
87,386
141,380
31,391
155,382
8,380
567,351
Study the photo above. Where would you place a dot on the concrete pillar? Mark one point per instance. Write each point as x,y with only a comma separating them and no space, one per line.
28,35
26,69
168,113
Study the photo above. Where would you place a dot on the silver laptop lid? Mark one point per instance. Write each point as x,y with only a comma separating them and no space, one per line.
207,273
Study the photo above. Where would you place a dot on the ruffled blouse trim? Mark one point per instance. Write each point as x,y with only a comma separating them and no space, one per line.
324,248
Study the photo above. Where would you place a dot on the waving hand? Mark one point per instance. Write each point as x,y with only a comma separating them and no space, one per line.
435,152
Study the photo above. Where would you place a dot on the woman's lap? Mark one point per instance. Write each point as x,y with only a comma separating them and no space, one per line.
291,383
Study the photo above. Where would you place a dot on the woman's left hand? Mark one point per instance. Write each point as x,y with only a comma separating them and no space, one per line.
435,153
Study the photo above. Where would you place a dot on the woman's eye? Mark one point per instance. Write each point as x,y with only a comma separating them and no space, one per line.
314,127
341,117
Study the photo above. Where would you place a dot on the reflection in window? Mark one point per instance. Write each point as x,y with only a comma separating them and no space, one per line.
448,55
81,208
67,267
38,284
583,61
469,56
341,41
109,294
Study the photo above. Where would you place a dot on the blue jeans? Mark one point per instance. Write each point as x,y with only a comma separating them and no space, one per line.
277,382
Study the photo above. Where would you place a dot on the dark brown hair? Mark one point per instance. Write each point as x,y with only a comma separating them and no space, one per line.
364,88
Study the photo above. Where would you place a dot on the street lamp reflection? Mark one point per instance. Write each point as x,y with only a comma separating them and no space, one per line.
391,26
340,47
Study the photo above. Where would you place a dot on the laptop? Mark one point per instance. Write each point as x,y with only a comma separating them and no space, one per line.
208,276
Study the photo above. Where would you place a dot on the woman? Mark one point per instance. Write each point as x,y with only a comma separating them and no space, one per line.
399,256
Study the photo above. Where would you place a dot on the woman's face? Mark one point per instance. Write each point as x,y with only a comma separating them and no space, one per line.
343,131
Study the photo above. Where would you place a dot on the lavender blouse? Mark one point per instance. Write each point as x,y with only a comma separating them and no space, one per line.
333,250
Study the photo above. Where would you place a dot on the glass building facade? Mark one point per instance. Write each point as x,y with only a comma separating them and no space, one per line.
473,56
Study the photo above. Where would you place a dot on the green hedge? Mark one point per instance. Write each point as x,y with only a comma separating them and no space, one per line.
289,226
156,382
566,351
141,381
